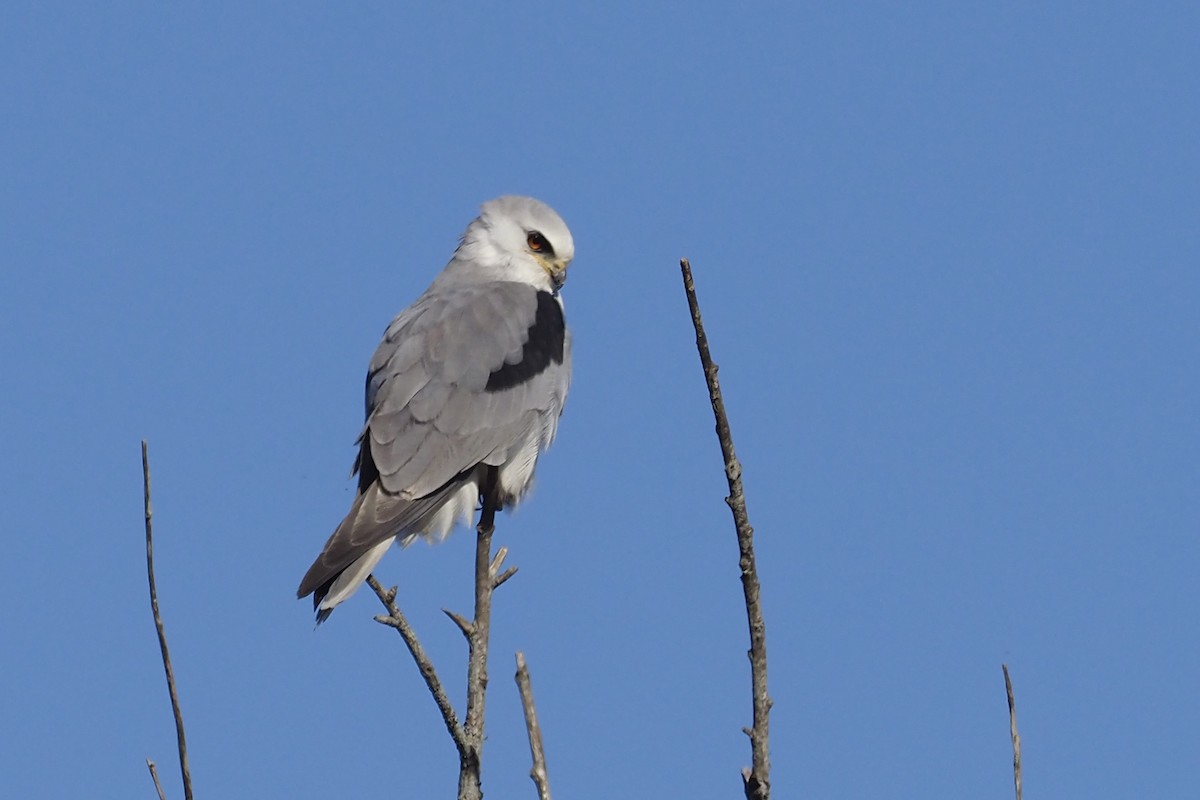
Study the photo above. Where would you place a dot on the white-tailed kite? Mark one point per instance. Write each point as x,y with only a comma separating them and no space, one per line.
462,396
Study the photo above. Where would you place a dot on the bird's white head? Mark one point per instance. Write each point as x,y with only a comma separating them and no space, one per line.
516,239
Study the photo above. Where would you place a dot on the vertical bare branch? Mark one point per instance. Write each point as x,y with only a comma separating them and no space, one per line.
1012,729
538,772
397,620
757,778
470,769
468,737
184,769
154,775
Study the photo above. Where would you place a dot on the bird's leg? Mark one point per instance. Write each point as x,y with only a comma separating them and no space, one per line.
489,492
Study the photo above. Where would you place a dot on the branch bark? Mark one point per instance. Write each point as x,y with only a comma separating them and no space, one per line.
396,619
1012,729
486,573
154,776
468,737
756,778
184,768
537,772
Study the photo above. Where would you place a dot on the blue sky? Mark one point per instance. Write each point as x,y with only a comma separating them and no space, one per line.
948,255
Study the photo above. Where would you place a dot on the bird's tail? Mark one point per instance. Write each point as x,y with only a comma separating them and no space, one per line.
375,520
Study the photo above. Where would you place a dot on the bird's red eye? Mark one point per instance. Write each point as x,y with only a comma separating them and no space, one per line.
537,243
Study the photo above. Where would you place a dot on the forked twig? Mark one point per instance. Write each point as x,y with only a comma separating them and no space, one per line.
1012,729
537,772
184,769
757,778
396,619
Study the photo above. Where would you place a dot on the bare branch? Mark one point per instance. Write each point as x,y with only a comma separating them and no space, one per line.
184,769
503,577
469,772
396,619
463,624
494,568
154,775
497,561
757,779
1012,729
538,772
468,737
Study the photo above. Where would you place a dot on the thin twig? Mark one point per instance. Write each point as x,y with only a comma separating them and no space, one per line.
494,568
463,624
757,778
503,577
538,772
497,561
396,619
154,775
1012,729
184,769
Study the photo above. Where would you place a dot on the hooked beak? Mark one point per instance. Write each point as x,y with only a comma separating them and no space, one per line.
556,268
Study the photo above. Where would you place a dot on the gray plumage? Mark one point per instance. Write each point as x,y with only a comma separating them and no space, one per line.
464,393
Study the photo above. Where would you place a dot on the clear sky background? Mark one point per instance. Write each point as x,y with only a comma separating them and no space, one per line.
949,256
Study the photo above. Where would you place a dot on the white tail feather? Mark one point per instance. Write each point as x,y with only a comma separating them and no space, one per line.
354,575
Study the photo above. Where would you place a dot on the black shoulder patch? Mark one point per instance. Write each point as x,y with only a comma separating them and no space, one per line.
547,336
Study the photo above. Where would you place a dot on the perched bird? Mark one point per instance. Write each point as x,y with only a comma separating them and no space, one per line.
462,396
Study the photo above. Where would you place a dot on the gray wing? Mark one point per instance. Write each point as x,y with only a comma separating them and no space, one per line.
463,381
464,377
